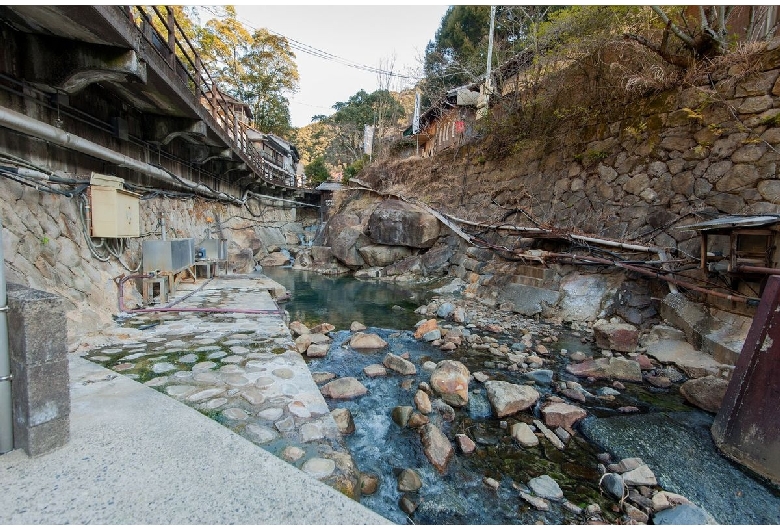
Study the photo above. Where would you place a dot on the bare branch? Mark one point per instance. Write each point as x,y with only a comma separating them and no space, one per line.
676,30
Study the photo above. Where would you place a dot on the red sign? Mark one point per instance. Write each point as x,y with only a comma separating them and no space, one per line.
460,126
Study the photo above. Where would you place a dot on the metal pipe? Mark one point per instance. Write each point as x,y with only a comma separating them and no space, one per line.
652,273
6,405
760,270
24,124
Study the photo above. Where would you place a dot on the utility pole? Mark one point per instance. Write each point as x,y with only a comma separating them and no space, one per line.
483,103
488,77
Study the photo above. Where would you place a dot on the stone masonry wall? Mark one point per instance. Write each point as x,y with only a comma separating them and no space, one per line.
639,173
45,247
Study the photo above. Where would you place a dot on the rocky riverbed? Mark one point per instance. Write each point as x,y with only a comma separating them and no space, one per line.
477,416
474,415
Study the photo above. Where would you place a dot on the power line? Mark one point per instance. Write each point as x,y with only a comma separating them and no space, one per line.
322,54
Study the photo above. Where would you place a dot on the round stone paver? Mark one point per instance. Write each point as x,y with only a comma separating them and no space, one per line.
319,467
235,413
217,355
206,394
100,358
206,377
213,403
182,376
235,380
232,359
283,373
289,389
112,351
161,368
157,381
190,358
260,433
311,432
204,366
179,391
292,453
255,366
264,382
298,408
272,414
239,350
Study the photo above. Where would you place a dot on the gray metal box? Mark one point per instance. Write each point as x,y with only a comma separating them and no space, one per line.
215,248
170,255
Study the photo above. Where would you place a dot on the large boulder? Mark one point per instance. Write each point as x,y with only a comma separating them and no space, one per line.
367,341
612,368
346,246
344,388
705,392
436,446
382,256
508,398
562,415
399,364
337,223
617,337
394,222
450,379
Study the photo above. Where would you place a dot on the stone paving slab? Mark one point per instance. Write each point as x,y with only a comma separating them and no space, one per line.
211,381
138,457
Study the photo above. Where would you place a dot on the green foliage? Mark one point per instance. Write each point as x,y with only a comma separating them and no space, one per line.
591,156
348,122
354,168
316,171
458,53
258,69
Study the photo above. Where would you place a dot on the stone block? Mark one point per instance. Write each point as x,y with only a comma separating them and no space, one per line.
39,365
44,438
37,326
40,393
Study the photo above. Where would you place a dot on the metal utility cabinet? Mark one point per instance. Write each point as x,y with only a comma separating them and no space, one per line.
115,212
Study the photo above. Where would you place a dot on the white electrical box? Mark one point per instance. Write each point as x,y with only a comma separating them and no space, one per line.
114,212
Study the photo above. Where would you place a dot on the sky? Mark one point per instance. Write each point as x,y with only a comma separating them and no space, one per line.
367,35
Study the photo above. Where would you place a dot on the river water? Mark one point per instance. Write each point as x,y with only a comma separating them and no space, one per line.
381,447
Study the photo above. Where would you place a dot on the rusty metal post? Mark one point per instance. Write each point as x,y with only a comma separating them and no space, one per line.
747,427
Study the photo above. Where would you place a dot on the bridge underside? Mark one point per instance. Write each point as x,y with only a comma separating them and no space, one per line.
93,73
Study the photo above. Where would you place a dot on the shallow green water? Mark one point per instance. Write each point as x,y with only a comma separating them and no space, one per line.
340,300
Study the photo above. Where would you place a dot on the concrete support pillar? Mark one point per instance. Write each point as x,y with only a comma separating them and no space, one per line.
39,365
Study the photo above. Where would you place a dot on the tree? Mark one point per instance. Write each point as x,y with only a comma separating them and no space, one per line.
316,171
458,53
704,32
348,122
258,69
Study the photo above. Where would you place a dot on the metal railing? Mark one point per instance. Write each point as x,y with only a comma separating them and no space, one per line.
159,28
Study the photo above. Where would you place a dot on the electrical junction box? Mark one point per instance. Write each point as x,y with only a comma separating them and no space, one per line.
114,212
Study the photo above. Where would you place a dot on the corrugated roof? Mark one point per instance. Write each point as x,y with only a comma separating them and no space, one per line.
329,186
734,221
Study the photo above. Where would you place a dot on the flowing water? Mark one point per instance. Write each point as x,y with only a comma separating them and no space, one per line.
381,447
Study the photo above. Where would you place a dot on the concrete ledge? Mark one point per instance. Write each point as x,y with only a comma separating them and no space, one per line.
139,457
722,340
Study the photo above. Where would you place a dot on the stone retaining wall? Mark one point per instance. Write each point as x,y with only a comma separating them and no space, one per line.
45,247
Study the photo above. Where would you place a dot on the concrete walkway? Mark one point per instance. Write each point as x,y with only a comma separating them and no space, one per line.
137,456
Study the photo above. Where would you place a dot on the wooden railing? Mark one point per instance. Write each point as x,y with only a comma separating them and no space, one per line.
159,28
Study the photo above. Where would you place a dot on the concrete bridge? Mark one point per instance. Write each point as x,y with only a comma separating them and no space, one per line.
120,90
